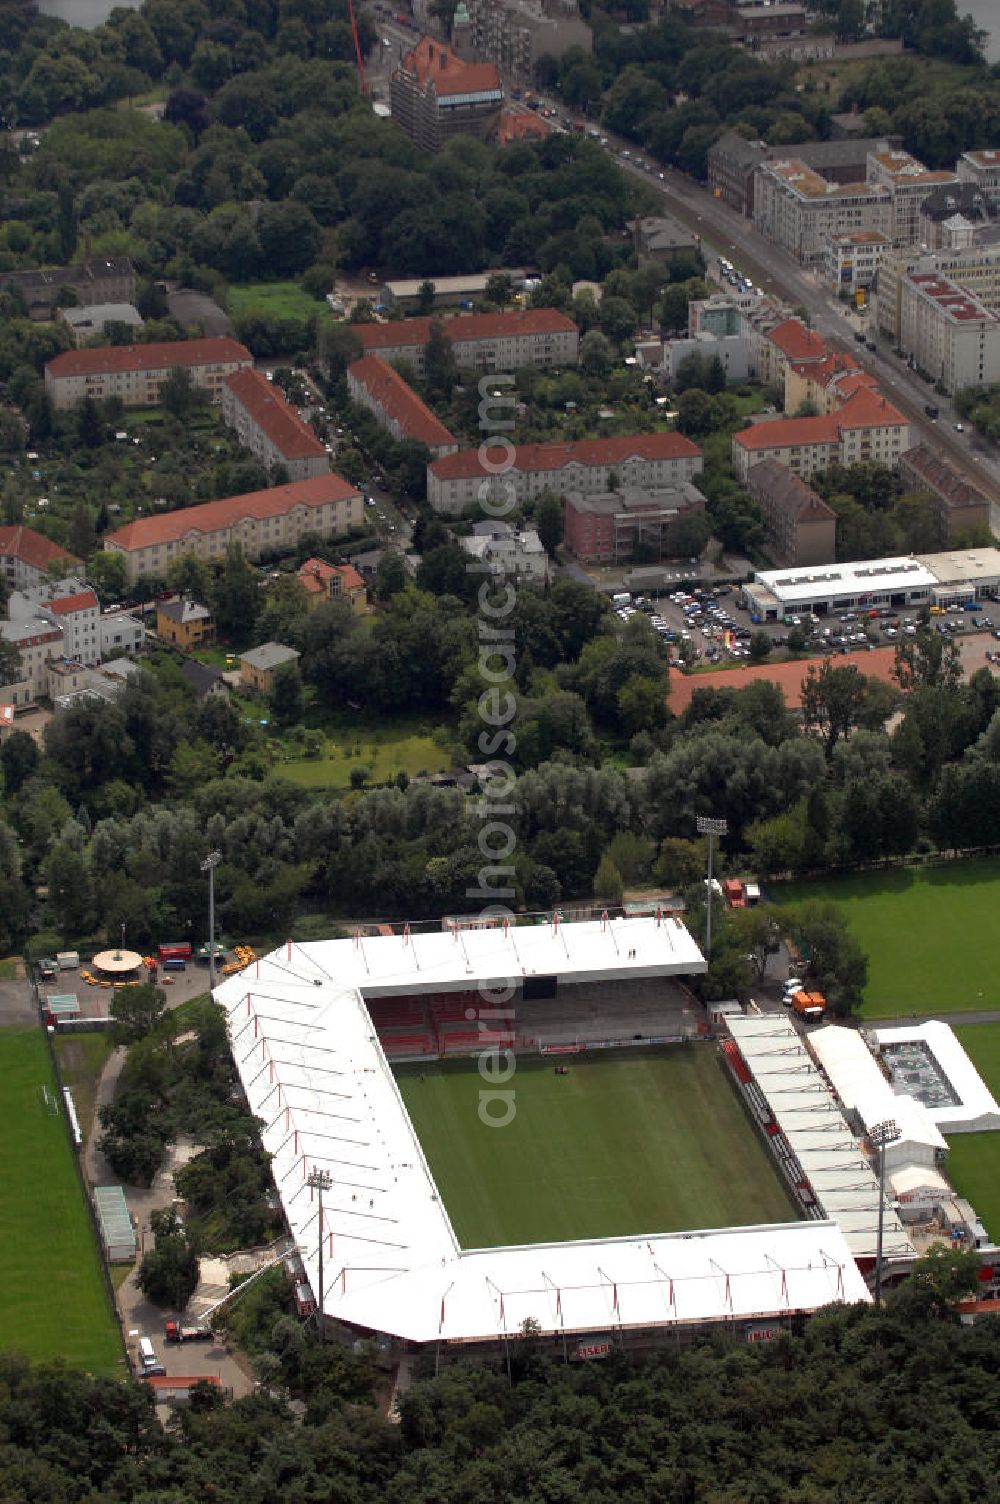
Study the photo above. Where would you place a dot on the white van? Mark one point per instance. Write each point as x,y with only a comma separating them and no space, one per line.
149,1363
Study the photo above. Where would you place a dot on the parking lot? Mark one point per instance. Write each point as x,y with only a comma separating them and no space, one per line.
711,626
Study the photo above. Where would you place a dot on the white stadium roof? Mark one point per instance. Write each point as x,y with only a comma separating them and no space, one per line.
976,1109
813,1124
315,1073
858,1081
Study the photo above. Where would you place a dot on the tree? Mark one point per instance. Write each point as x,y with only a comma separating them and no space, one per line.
179,396
82,536
608,885
426,298
89,425
927,659
285,697
837,964
136,1012
938,1280
440,368
595,353
168,1275
549,521
694,409
760,647
235,596
108,574
19,757
833,701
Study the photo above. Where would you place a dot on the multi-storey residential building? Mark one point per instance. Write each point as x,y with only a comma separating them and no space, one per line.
961,507
908,183
39,640
435,95
774,345
480,341
135,373
613,527
27,557
99,280
950,335
733,163
801,528
646,462
121,634
333,582
374,384
799,209
258,665
974,267
823,385
852,259
514,34
867,428
269,427
983,169
88,635
258,521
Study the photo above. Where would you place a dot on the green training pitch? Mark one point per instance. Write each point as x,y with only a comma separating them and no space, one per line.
929,935
53,1302
636,1141
974,1158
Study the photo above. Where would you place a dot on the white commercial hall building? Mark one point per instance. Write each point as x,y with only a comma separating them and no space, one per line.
867,1095
906,582
315,1074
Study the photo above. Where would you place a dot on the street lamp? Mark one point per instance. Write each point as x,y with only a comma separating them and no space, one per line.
881,1136
320,1181
209,865
707,826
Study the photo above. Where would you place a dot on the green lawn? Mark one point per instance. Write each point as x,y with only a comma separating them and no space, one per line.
974,1158
383,754
82,1058
929,935
281,300
53,1302
639,1141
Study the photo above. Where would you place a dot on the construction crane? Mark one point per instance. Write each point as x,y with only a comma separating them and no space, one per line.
357,49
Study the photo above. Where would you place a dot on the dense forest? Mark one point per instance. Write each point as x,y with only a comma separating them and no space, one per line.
858,1406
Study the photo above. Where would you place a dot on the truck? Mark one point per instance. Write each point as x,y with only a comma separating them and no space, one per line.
734,894
809,1005
179,1331
67,960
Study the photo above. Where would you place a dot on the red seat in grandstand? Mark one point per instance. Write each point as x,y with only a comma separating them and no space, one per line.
408,1044
736,1060
396,1012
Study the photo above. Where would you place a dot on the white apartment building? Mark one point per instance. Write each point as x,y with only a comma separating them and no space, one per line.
499,549
480,341
640,461
976,268
136,373
272,430
799,209
983,169
909,183
953,337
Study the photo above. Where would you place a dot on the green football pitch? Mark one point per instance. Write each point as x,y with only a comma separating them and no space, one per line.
974,1158
635,1141
52,1295
930,935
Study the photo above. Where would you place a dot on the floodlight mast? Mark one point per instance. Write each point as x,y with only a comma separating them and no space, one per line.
881,1136
209,865
706,825
320,1181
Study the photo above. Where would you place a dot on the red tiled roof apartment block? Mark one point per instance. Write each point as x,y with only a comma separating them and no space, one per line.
641,462
480,341
960,505
374,384
135,373
866,428
257,521
265,424
26,556
801,528
434,95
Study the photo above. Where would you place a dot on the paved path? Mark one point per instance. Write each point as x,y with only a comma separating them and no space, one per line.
956,1020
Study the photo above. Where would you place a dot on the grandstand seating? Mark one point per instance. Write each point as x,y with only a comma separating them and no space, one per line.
397,1012
738,1064
408,1044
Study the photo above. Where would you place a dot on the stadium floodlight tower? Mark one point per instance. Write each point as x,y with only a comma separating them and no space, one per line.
707,826
209,865
881,1136
320,1181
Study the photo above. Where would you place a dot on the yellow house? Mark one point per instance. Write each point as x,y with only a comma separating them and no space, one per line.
258,665
334,582
184,623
